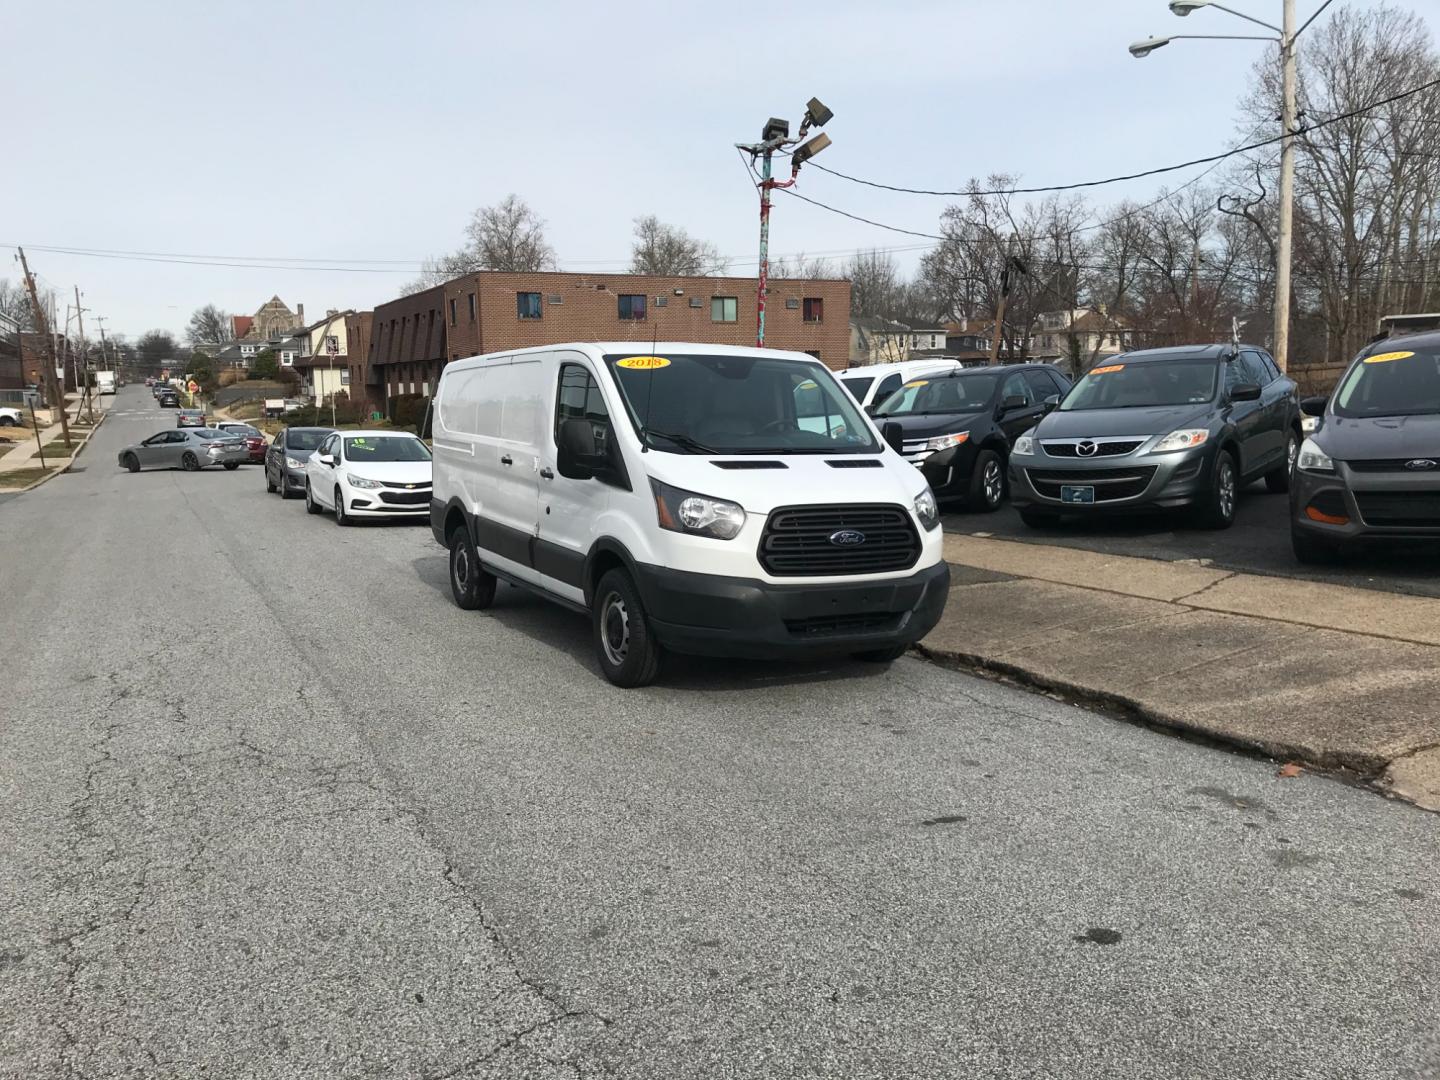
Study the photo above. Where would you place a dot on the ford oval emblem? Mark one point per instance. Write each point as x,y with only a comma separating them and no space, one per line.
1420,463
847,538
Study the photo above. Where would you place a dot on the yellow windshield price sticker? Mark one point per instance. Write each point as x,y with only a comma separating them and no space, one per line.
1386,357
643,363
918,382
807,385
1107,369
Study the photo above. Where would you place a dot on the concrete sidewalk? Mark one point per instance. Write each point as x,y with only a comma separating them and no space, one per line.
26,454
1337,677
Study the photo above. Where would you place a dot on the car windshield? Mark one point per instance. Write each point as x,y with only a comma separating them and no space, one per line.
385,448
304,440
946,394
726,404
1392,382
857,386
1146,385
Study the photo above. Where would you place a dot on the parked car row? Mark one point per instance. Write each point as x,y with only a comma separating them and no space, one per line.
352,474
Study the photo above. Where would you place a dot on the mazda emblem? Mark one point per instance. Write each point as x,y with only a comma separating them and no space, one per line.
1086,448
1418,464
847,538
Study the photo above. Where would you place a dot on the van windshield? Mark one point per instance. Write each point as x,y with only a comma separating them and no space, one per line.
719,404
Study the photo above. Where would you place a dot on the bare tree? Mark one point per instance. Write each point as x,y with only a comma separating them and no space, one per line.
875,284
15,304
798,266
506,236
664,249
208,326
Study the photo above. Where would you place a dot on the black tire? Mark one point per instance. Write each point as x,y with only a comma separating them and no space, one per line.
231,466
341,517
472,587
132,463
1039,519
1311,550
190,463
883,656
1278,481
987,483
1217,508
6,421
284,488
628,654
269,484
311,506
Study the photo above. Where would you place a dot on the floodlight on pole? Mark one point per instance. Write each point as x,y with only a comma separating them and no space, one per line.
1185,7
807,150
1147,46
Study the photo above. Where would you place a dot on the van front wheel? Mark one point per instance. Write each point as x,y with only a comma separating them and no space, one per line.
471,586
628,653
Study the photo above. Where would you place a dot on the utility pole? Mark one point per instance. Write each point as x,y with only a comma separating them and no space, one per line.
54,382
1287,186
776,136
85,360
1017,265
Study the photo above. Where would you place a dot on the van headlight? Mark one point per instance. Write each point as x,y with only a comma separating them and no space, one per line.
1312,459
926,510
700,515
1024,446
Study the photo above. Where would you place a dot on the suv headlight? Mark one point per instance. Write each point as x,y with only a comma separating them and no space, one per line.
363,484
1185,439
1312,459
926,510
944,442
1024,445
700,515
294,463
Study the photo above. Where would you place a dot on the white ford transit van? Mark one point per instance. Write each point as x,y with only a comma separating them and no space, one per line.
700,499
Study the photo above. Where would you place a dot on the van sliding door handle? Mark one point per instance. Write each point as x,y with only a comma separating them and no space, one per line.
547,474
507,460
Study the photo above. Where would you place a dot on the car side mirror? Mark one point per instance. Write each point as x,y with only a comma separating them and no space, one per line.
894,436
577,453
1245,391
327,459
1314,406
1052,401
1013,402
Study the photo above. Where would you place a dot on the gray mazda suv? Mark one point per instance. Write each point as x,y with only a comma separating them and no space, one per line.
1371,470
1161,429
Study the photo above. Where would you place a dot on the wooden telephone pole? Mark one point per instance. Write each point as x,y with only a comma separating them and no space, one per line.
56,392
84,362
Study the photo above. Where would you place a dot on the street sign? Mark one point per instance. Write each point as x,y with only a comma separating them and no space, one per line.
332,344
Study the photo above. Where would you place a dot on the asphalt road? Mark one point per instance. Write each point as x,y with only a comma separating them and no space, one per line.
1258,543
271,806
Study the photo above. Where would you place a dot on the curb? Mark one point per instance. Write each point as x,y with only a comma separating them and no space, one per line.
68,465
1366,770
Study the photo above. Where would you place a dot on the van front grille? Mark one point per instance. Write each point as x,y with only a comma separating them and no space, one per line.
806,541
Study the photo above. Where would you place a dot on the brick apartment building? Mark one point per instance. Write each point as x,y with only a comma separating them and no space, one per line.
408,346
357,334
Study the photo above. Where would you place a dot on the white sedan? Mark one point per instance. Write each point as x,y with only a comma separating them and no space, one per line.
11,417
375,474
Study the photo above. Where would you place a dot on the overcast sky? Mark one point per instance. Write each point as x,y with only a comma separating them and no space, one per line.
371,130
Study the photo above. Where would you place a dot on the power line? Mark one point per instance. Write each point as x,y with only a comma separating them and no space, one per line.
1301,130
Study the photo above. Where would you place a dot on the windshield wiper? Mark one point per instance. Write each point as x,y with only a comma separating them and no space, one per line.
679,440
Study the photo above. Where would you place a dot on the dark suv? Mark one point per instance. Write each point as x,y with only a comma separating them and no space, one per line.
1371,470
959,425
1161,429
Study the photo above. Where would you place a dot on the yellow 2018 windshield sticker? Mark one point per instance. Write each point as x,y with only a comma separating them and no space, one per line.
918,382
1386,357
643,363
1106,369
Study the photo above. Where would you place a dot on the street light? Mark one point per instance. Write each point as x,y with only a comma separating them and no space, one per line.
1284,36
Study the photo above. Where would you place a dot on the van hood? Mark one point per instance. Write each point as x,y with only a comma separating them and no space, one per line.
391,472
805,479
1092,423
1347,438
928,425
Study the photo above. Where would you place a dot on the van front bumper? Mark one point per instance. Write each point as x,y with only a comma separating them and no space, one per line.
711,615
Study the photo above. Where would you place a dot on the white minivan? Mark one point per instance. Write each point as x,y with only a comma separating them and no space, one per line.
873,383
701,499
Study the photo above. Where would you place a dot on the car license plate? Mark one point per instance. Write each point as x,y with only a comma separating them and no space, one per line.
1077,493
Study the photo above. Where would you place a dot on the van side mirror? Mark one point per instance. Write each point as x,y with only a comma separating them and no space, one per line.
1245,391
894,436
586,451
1314,406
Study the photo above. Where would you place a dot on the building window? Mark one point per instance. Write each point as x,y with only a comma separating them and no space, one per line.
470,298
632,307
792,304
724,309
814,309
527,305
452,311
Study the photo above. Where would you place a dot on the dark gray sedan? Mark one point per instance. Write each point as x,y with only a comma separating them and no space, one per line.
1161,429
185,448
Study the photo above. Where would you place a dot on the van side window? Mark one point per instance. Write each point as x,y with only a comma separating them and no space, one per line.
578,398
888,386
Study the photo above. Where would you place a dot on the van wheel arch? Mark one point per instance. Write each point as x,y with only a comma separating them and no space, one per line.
605,555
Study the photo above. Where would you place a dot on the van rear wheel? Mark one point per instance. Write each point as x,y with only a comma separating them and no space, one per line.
470,585
629,655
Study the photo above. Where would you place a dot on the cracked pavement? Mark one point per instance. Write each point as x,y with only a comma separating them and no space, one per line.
271,806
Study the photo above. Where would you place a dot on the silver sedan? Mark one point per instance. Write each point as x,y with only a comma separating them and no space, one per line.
186,448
